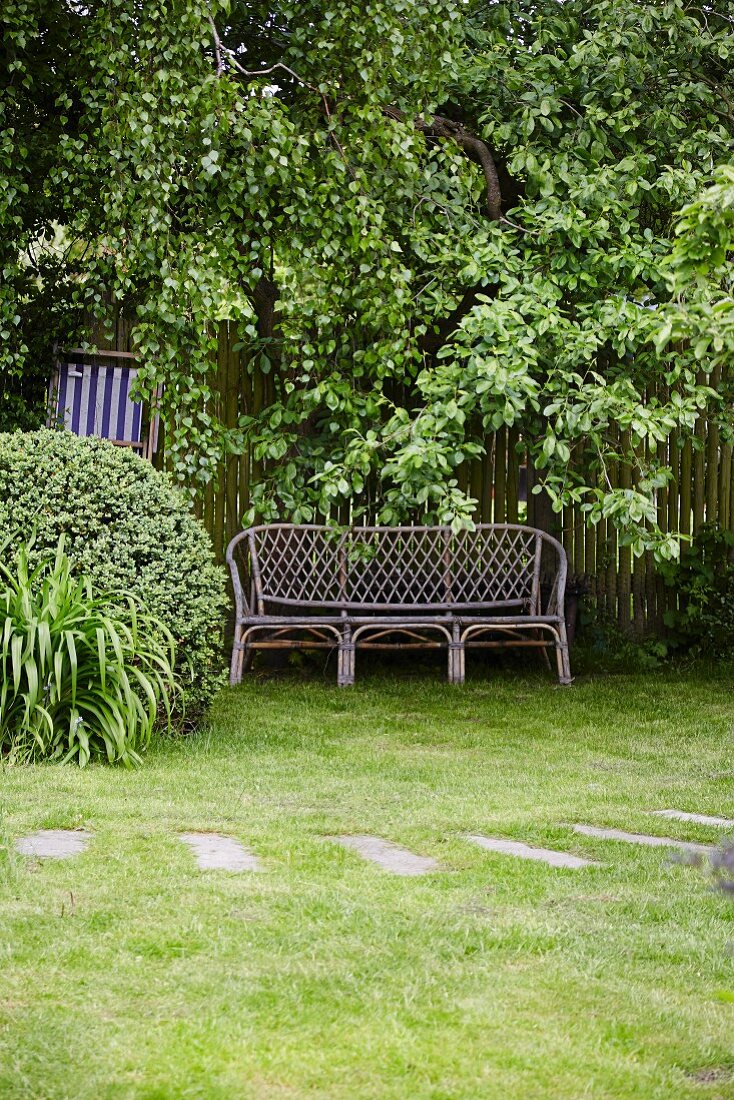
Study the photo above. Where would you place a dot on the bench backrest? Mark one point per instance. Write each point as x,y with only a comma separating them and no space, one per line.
291,566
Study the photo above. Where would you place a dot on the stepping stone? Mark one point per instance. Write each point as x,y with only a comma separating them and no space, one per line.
387,855
220,853
525,851
53,843
640,838
699,819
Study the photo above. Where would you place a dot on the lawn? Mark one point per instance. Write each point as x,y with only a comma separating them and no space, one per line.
128,972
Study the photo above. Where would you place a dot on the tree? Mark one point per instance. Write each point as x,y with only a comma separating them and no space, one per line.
428,218
37,270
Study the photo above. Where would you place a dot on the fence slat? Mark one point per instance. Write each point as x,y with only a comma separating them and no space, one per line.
624,568
699,474
686,487
513,475
500,476
723,488
612,552
487,496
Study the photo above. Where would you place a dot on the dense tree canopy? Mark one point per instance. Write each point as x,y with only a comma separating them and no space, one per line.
429,217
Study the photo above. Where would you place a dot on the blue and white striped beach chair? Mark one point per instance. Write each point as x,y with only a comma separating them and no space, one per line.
91,399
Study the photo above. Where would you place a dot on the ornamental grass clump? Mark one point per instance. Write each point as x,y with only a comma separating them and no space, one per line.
82,676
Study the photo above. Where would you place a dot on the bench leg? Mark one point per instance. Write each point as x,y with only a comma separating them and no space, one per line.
456,663
242,655
238,657
562,657
456,659
345,674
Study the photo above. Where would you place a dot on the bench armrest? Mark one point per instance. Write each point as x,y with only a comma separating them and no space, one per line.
557,597
240,584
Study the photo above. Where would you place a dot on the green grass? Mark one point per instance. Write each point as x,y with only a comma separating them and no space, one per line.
126,972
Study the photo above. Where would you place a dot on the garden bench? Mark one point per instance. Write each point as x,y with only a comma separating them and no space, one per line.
310,586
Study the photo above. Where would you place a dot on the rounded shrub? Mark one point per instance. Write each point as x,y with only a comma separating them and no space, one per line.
126,528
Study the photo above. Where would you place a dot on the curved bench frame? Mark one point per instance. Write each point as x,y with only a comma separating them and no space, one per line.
314,587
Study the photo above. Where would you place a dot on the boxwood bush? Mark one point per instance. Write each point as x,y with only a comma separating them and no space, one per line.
126,528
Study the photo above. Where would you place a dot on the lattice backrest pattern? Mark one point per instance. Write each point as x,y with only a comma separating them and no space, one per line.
496,564
415,567
395,567
298,564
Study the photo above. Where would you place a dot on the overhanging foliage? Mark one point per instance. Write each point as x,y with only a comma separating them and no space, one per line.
429,218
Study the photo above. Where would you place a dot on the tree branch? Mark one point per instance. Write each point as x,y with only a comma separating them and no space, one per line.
221,51
335,140
477,149
431,342
217,46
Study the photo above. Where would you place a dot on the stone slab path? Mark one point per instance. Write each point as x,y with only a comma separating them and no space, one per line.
387,855
699,819
525,851
215,852
53,843
640,838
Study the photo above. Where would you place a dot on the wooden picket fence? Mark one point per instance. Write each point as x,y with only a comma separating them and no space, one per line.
629,592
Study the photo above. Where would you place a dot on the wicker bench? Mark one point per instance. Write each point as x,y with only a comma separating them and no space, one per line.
308,586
